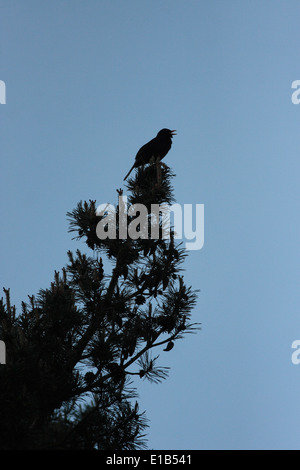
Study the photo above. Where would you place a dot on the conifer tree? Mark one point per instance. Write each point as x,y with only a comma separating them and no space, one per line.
76,348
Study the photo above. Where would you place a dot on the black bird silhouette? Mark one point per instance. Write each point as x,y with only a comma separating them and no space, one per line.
157,148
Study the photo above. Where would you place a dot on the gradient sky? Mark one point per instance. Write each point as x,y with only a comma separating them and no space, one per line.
88,83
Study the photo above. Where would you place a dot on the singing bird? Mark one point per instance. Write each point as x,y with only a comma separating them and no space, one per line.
157,148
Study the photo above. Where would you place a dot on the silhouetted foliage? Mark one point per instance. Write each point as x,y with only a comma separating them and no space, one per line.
73,350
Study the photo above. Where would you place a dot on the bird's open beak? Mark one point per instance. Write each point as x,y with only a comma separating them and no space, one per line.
173,132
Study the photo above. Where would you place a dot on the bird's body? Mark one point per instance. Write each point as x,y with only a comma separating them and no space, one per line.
157,149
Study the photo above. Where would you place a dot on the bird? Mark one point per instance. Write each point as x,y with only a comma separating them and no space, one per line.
157,148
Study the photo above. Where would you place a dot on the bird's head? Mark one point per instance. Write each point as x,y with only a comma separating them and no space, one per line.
166,133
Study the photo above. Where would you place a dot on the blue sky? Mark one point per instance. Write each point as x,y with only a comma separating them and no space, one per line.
88,83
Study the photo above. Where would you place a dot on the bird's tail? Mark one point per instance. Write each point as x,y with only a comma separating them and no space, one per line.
129,171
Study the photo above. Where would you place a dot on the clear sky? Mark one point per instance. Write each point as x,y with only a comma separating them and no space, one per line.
88,83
